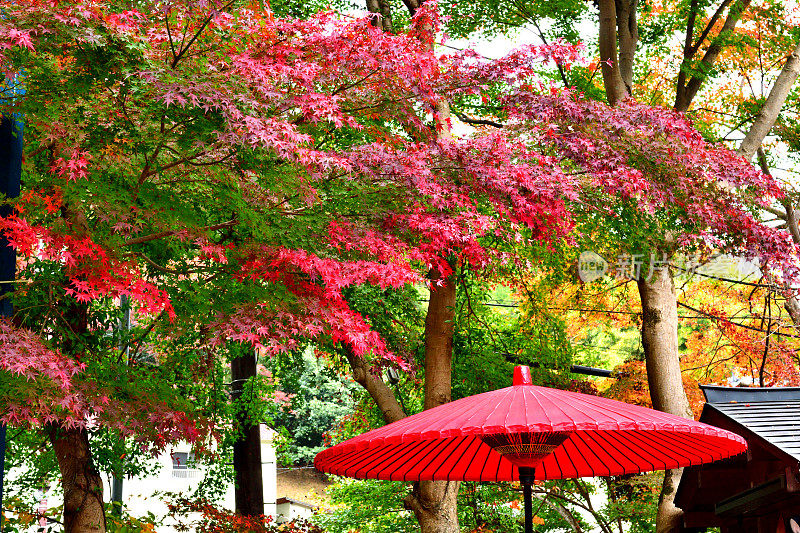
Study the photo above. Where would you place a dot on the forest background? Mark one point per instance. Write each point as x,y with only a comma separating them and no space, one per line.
389,223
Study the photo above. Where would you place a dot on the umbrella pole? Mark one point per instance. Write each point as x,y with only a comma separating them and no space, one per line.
526,478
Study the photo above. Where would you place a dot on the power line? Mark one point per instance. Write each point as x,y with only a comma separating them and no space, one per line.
700,315
738,324
609,311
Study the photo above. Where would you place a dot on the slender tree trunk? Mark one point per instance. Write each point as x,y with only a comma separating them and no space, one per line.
684,94
659,305
562,511
82,485
80,481
247,448
380,393
439,341
660,342
789,214
792,304
434,502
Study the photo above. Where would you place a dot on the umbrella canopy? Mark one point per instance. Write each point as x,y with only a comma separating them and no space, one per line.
548,433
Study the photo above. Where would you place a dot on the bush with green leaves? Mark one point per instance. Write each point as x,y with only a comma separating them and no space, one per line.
319,399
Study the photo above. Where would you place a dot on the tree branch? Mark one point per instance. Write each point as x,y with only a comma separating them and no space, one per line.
477,121
196,35
772,106
381,394
711,23
162,234
685,94
412,6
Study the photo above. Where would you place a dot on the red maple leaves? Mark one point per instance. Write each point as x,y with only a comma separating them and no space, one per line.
94,273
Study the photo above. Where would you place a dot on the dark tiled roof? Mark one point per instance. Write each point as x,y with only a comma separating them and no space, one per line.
717,394
772,414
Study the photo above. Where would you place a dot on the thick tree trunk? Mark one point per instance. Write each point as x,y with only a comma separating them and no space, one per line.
792,306
434,506
247,448
669,517
628,37
82,485
660,342
612,78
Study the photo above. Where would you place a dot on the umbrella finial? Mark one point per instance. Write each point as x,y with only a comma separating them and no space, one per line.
522,375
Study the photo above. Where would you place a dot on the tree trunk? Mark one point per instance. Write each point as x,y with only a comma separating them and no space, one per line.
628,37
380,393
247,448
383,14
439,341
660,342
82,485
434,506
792,304
612,79
669,517
434,502
659,306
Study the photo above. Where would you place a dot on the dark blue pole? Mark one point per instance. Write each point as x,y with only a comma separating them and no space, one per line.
10,176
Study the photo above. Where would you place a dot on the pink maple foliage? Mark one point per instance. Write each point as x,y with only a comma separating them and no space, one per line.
23,353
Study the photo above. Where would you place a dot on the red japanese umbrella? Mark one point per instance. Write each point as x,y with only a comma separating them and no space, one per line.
526,432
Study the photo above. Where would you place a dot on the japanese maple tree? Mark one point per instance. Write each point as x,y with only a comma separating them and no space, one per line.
234,173
170,164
